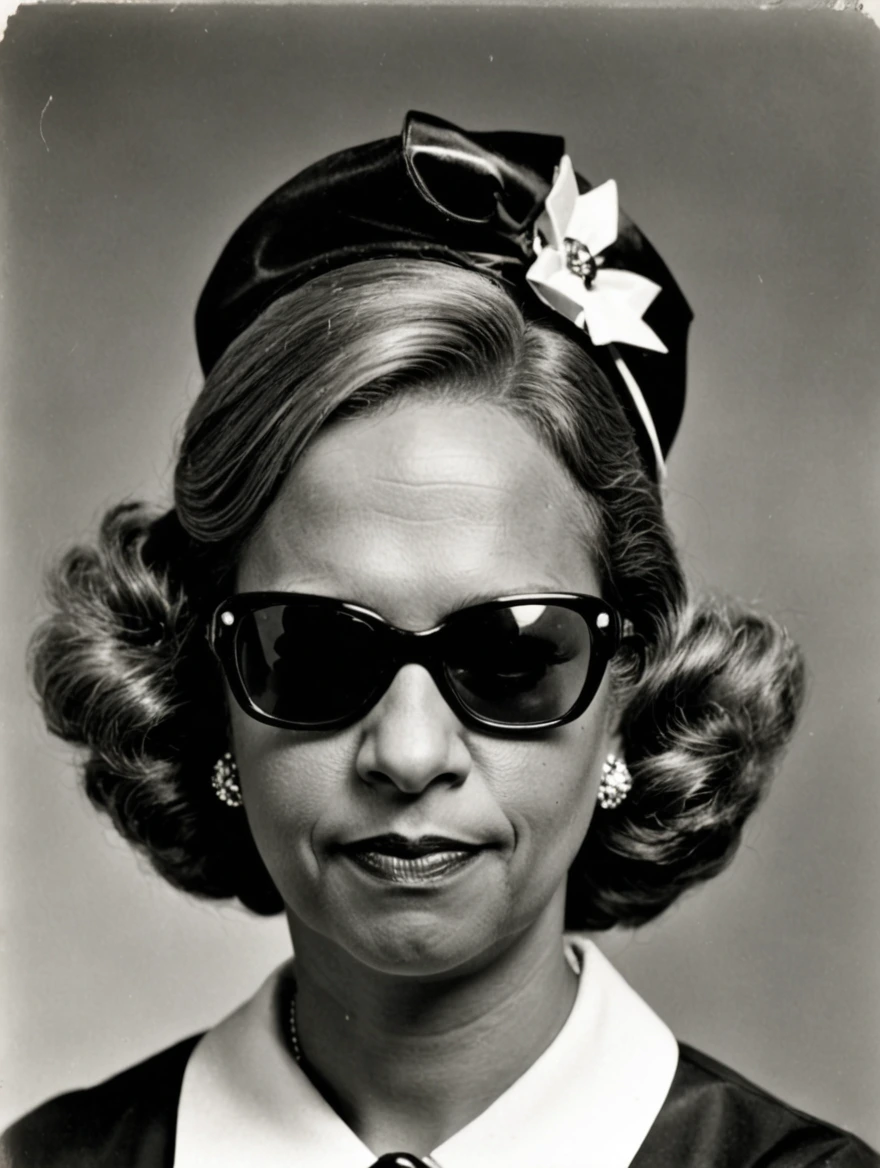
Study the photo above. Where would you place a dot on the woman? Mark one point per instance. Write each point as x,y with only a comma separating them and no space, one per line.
413,661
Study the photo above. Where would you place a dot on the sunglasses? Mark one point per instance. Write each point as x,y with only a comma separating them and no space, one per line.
525,662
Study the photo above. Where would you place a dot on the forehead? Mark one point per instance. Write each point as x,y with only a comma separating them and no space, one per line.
420,509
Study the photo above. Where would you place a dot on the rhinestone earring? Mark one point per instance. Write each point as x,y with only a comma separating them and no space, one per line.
616,783
224,780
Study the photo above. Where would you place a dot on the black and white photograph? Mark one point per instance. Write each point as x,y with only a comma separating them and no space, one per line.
441,586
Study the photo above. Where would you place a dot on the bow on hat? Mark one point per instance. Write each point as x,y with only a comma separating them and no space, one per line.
508,204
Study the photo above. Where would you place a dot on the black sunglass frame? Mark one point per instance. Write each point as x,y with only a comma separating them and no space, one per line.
398,647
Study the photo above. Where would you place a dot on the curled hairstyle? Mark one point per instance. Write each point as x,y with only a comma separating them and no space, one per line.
706,691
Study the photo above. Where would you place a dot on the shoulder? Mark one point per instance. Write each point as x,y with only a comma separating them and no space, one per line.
127,1120
713,1116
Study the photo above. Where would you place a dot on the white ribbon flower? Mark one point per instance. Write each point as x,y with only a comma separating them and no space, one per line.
568,273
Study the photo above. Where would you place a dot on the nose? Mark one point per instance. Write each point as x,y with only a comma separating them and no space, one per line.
412,738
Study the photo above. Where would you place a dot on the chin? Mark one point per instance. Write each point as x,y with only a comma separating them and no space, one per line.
418,940
420,948
453,927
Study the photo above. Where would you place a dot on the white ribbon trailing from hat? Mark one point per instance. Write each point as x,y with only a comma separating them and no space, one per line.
569,275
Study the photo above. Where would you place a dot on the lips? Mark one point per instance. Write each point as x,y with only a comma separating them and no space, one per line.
402,860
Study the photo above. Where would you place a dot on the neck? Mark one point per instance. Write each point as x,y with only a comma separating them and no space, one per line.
408,1062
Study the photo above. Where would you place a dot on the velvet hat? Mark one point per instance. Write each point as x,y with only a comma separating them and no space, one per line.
507,204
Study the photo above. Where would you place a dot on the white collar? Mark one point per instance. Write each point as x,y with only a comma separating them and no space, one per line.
592,1095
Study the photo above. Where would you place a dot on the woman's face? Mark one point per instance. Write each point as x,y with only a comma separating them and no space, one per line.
413,513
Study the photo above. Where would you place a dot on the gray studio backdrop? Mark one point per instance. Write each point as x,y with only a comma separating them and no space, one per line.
746,145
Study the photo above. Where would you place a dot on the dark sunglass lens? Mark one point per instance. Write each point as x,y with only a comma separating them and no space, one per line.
520,665
308,664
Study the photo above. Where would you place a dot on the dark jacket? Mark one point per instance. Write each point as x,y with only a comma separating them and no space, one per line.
712,1118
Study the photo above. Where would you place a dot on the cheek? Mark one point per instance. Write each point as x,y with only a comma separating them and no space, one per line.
547,789
291,785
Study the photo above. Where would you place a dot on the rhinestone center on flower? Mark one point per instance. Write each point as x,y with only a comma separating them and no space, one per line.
580,260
